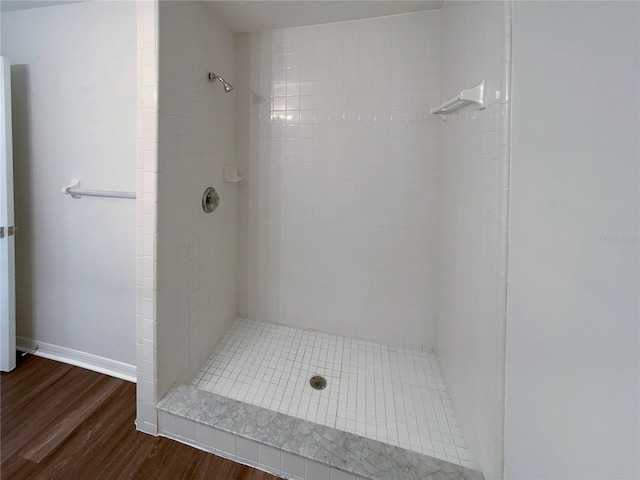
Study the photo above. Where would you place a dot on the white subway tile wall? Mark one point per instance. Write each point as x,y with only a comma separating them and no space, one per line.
146,212
393,395
196,271
475,188
345,182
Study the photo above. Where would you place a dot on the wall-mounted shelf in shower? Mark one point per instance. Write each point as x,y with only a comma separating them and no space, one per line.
231,174
471,96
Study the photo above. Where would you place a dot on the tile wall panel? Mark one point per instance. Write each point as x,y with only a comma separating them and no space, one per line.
146,214
474,206
344,209
196,274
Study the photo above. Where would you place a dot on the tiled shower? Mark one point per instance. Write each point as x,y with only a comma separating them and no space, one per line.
366,241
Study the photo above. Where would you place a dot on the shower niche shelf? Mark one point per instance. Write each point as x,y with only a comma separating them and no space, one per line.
470,96
231,174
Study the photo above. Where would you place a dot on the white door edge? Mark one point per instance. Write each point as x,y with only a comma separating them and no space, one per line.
7,243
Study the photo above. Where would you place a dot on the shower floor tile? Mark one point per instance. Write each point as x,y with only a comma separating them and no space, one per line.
393,395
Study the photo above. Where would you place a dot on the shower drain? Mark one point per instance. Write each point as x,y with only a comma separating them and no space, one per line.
317,382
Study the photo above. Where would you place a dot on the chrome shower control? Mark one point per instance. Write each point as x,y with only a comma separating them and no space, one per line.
210,200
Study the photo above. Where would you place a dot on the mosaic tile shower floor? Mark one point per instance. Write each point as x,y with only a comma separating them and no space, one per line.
393,395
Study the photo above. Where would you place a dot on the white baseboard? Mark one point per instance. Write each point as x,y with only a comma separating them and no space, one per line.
86,360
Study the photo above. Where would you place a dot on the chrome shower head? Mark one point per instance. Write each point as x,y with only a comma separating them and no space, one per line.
227,86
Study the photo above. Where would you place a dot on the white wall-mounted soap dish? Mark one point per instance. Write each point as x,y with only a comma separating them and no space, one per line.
231,174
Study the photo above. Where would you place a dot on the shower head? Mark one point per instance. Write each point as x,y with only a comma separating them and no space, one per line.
227,86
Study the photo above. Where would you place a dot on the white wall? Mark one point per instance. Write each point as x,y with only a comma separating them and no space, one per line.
74,92
573,374
345,208
475,182
196,251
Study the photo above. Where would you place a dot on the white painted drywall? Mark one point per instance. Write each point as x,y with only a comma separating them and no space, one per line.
573,376
74,78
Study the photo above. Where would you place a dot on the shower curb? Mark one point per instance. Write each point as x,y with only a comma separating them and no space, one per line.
340,450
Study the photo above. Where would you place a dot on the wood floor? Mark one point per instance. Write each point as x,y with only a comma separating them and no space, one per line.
64,422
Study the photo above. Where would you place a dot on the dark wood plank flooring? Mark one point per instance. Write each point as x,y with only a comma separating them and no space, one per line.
63,422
